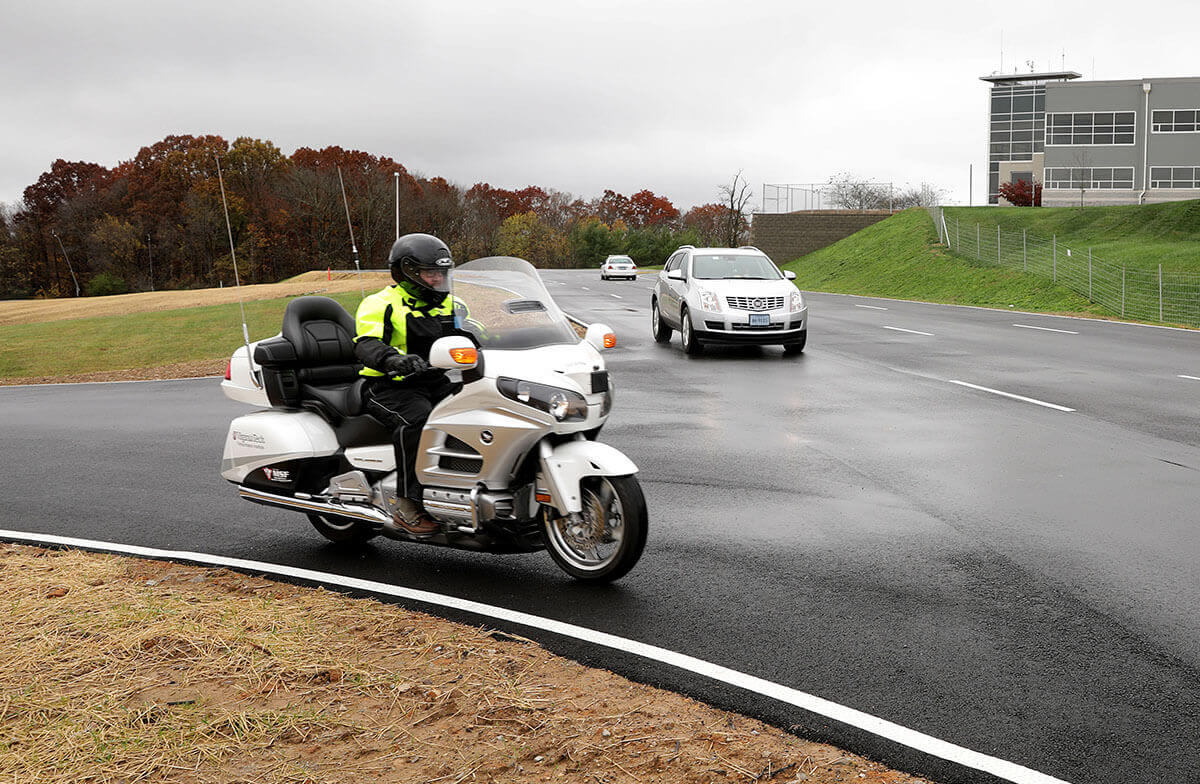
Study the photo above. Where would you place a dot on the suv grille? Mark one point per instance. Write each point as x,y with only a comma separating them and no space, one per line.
755,303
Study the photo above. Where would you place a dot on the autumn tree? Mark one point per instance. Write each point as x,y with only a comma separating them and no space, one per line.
591,240
735,197
708,221
1022,194
528,237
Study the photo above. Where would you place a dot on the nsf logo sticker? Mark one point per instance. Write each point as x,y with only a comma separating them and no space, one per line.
277,474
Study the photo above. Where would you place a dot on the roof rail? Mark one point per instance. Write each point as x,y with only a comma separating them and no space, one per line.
681,247
748,247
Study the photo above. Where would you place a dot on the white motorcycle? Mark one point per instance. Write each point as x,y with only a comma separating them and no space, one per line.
509,463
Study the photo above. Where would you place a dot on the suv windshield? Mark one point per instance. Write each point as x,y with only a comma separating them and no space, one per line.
504,304
715,266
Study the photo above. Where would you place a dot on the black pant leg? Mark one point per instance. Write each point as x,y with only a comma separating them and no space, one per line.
404,409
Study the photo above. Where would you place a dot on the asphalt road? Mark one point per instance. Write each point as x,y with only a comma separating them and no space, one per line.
1016,579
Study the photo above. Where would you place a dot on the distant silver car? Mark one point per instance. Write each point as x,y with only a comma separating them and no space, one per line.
727,295
618,267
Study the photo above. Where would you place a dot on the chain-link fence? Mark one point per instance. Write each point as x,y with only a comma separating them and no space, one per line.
792,197
1130,292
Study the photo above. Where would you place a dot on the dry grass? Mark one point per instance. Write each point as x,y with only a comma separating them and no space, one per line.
127,670
32,311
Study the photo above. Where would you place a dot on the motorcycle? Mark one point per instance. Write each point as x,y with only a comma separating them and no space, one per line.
509,462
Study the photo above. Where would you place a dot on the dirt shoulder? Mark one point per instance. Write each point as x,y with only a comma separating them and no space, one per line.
32,311
120,669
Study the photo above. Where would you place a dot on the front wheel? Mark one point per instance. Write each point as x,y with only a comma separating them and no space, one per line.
343,530
691,346
608,537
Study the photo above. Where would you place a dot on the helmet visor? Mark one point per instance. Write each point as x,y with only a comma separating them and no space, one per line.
431,278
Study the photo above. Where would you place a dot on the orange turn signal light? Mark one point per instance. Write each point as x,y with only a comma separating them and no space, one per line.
464,356
542,497
610,340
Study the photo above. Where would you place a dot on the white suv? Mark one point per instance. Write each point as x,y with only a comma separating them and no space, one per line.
618,267
727,295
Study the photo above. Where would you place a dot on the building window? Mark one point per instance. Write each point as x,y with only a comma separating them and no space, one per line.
1175,121
1079,128
1017,128
1175,176
1094,178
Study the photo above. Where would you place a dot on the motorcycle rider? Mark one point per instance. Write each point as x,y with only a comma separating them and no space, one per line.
396,328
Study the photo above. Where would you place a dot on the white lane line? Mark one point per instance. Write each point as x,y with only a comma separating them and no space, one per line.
585,288
911,331
1055,406
1010,771
618,296
1193,378
1046,329
872,307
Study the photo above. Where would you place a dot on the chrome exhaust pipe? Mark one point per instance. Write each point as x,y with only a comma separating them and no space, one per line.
364,513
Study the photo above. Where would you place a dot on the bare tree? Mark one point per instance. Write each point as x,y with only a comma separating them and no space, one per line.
853,194
735,197
1081,173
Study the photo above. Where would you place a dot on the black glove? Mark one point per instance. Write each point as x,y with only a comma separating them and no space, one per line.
404,364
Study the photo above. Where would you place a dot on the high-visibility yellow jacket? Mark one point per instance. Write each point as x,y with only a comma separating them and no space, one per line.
395,319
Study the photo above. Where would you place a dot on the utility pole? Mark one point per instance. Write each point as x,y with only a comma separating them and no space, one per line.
151,255
68,258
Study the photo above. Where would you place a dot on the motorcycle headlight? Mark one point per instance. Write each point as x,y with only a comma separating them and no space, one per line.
797,302
708,300
562,404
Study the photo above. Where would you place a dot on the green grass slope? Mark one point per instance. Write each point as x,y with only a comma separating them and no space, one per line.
138,340
1138,236
899,257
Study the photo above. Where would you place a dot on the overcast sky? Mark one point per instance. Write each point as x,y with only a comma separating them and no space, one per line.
671,96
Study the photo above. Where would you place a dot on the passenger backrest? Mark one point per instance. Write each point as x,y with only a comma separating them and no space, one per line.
321,331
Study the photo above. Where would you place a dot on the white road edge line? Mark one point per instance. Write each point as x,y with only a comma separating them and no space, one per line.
1193,378
618,296
1046,329
912,331
1055,406
872,307
1010,771
585,288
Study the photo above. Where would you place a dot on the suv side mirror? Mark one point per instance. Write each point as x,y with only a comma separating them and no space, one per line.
453,352
789,274
675,274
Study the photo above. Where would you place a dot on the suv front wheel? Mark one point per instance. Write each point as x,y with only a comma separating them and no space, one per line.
691,346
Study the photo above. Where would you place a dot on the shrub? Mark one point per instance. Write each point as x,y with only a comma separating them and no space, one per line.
104,283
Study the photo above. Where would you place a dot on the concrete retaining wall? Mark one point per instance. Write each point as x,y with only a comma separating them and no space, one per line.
787,236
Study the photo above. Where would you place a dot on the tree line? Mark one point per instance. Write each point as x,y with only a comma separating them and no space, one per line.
157,221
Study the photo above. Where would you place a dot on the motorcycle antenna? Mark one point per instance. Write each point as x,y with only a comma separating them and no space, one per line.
349,225
236,278
397,177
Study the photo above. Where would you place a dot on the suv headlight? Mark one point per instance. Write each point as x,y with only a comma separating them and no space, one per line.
796,302
708,300
562,404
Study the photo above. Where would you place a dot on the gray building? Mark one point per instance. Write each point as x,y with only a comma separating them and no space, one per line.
1103,142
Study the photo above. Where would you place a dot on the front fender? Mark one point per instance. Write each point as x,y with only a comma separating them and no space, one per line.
562,468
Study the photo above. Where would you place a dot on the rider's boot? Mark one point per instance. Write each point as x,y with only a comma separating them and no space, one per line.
412,519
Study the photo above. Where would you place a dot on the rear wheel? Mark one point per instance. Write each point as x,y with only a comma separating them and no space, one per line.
691,345
609,535
658,327
343,530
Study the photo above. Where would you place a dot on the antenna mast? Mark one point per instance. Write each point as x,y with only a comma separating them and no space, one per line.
349,225
397,175
236,278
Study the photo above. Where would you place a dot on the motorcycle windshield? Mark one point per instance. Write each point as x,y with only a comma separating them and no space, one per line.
502,301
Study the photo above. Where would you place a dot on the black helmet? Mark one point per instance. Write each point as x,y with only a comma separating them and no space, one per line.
413,254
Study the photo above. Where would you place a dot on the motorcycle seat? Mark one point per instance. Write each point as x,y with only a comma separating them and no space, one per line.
341,399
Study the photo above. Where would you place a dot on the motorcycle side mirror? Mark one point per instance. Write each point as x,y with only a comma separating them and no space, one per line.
454,352
600,336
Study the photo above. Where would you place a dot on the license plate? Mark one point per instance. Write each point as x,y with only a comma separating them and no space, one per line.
760,319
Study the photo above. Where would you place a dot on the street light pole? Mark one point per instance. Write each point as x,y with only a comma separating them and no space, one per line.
151,255
68,258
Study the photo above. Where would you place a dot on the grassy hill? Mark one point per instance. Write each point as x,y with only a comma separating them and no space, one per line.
900,257
1138,236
